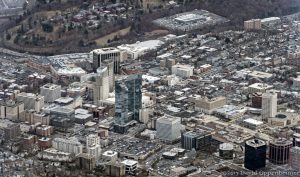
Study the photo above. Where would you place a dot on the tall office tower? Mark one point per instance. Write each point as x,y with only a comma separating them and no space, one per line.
110,67
279,151
294,161
168,128
128,101
100,55
255,154
51,92
93,145
31,101
101,85
269,105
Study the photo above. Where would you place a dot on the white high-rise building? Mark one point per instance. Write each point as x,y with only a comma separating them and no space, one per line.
93,145
269,105
51,92
101,85
31,101
168,128
71,145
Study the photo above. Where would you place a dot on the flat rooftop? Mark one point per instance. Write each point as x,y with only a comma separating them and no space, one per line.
191,20
105,50
253,121
255,142
188,17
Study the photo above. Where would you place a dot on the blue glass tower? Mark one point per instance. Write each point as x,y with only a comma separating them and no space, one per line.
128,101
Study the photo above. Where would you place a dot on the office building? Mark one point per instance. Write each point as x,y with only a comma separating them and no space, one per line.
255,154
259,87
206,105
101,85
296,139
279,151
93,145
184,71
31,101
128,101
115,169
12,110
294,160
82,116
62,112
12,131
168,128
62,117
195,139
71,145
109,64
51,92
101,55
226,151
269,105
257,100
130,166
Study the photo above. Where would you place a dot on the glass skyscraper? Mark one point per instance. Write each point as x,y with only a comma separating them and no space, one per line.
128,101
255,154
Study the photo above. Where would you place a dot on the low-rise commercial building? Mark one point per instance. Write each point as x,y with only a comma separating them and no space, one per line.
207,105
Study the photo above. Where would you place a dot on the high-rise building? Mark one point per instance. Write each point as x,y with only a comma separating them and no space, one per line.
12,131
71,145
12,110
93,145
255,154
168,128
115,169
86,161
279,151
253,24
111,75
294,161
101,85
51,92
101,55
128,101
195,139
31,101
269,105
257,100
